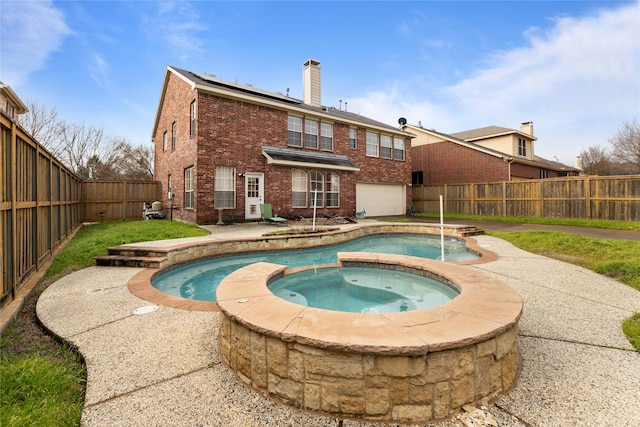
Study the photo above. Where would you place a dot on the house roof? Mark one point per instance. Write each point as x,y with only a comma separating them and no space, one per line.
213,84
495,131
13,98
488,132
300,158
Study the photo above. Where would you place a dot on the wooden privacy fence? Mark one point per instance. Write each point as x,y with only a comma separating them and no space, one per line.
608,198
40,205
116,200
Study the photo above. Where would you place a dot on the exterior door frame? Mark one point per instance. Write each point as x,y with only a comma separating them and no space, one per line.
253,196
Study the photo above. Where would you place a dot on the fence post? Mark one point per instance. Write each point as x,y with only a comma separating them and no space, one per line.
473,199
124,200
587,197
504,198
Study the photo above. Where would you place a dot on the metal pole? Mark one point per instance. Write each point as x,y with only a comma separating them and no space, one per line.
315,197
441,230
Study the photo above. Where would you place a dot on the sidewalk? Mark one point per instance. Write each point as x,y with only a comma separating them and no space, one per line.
161,367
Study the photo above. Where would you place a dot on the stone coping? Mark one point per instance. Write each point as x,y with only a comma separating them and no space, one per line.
140,285
485,308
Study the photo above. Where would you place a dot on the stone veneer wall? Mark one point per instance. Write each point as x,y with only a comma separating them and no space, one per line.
371,386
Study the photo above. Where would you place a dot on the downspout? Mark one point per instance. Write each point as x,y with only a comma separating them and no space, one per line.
509,160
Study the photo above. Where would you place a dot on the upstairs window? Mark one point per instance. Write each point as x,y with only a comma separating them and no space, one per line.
353,138
299,189
398,148
310,134
225,187
372,144
173,136
164,141
192,118
385,147
188,188
522,147
295,132
326,136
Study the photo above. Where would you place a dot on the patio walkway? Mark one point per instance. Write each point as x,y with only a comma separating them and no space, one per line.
163,368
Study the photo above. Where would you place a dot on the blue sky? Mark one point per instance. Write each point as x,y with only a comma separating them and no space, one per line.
571,67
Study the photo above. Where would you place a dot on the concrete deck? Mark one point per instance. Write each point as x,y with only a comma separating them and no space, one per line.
156,365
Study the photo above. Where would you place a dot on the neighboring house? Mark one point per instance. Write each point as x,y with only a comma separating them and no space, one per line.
10,103
480,155
225,148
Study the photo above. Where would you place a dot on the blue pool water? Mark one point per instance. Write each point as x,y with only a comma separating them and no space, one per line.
199,280
362,290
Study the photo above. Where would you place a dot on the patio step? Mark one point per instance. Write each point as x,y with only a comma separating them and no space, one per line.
130,261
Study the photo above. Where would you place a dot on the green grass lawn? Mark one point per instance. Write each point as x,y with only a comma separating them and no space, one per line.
42,381
593,223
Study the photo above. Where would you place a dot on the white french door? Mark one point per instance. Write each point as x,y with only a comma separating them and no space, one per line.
253,194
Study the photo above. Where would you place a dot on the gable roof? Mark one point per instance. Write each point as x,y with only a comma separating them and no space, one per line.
488,132
495,131
212,84
459,141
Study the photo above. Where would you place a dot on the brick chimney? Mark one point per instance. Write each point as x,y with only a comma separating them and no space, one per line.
311,82
527,127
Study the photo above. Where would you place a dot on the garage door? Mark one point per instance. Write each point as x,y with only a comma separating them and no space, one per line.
381,199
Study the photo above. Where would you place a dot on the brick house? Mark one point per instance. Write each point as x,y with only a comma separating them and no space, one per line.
480,155
223,148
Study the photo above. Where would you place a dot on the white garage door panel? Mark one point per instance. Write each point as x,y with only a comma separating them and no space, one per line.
381,199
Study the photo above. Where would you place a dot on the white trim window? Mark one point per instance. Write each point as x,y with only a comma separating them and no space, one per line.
174,135
333,190
522,147
398,148
326,136
386,150
317,188
310,134
192,118
188,188
353,138
225,188
372,144
294,127
298,188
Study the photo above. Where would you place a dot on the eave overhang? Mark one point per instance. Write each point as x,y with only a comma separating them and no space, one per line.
304,159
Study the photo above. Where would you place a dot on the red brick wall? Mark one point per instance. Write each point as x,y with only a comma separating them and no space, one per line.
231,133
450,163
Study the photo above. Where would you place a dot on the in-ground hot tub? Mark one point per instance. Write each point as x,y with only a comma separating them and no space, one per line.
405,366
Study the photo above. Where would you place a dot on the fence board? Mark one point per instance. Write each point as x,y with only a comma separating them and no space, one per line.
117,200
608,198
31,225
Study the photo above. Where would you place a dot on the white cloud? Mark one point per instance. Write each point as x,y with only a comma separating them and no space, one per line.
99,70
578,81
177,24
30,32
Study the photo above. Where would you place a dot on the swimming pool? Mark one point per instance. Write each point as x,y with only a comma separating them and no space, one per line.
199,280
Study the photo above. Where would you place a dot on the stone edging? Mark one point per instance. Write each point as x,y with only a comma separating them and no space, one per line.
410,366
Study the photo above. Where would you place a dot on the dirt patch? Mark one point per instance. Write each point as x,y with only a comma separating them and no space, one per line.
25,334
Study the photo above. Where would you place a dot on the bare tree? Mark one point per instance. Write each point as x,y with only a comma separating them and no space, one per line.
86,149
626,147
43,124
596,161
